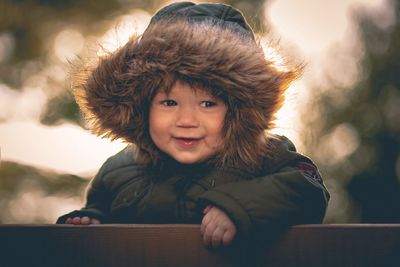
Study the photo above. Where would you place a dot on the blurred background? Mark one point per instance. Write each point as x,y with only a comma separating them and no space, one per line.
344,112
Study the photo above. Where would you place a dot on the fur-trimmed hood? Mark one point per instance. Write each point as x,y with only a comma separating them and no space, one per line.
116,92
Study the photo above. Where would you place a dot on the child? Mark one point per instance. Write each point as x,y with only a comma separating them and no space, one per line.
195,96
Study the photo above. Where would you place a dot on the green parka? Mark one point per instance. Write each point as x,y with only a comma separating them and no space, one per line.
288,190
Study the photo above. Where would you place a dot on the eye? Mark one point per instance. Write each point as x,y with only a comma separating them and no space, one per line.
207,104
169,103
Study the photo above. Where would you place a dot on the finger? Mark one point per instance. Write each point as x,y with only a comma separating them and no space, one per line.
204,223
228,237
76,220
68,220
207,209
217,237
213,213
85,220
202,228
207,236
95,221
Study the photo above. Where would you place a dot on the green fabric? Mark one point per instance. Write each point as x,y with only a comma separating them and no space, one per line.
124,192
223,14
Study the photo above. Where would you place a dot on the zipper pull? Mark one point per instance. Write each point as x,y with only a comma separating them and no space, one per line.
212,182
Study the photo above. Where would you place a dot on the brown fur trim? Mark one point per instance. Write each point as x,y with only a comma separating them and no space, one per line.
115,94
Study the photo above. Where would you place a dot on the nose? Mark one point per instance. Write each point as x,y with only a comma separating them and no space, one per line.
187,118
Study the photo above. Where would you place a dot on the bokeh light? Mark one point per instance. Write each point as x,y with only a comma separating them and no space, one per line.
68,44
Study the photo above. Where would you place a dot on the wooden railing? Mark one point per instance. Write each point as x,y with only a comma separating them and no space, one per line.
181,245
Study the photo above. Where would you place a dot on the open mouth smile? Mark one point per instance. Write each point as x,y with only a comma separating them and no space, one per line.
187,142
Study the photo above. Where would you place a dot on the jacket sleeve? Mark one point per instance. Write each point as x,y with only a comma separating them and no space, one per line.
294,194
98,195
97,200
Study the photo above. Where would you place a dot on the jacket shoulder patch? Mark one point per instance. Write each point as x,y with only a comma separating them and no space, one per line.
309,171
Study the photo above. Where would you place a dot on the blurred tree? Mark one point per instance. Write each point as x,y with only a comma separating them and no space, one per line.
17,180
366,118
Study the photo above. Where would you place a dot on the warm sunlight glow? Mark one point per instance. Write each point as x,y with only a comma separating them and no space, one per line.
287,117
122,29
316,28
66,148
314,25
273,55
68,44
339,143
21,105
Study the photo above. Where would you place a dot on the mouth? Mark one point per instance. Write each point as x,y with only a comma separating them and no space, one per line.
187,141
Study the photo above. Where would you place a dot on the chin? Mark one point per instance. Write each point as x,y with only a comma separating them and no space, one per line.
188,160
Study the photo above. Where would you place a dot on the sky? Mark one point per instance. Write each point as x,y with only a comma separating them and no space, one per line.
312,28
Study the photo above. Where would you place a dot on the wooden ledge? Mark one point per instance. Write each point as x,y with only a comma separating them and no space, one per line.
181,245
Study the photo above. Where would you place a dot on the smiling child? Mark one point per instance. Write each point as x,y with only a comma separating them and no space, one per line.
195,97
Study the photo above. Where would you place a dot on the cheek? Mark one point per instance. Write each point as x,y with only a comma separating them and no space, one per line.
154,128
151,130
216,131
158,126
154,124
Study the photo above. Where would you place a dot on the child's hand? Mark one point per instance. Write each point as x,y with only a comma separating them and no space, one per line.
216,227
83,221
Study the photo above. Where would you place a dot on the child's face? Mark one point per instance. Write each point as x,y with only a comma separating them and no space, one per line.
187,123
